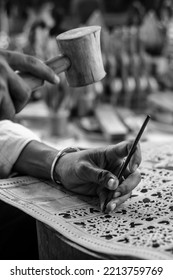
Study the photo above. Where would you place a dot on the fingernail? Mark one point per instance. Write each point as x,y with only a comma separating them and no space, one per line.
134,167
113,206
117,194
56,79
112,183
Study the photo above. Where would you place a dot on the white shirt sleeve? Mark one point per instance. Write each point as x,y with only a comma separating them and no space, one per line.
13,138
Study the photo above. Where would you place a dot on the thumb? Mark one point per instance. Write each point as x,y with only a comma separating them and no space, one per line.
107,179
101,177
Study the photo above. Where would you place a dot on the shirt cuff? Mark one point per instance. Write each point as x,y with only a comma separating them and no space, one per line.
13,138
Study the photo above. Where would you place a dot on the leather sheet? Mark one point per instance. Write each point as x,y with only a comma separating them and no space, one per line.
141,228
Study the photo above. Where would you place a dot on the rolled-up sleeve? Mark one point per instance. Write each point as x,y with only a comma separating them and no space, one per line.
13,138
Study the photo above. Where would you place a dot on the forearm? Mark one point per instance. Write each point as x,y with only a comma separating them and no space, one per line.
13,139
35,160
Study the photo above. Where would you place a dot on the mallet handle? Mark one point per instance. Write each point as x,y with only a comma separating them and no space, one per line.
58,63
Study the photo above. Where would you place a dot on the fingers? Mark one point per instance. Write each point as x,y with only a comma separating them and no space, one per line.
114,203
136,158
20,92
7,110
93,174
121,194
121,150
130,183
102,194
30,64
123,191
14,92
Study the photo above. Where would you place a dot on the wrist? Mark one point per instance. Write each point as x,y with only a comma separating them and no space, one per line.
55,172
35,160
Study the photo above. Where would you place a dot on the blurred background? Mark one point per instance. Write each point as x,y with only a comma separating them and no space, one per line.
137,50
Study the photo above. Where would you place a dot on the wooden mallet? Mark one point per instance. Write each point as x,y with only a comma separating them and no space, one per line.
80,58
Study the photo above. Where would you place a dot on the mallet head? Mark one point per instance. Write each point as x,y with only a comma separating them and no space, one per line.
82,47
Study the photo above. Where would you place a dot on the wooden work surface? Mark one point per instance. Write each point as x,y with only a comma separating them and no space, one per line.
141,228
